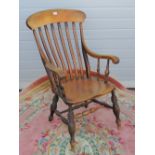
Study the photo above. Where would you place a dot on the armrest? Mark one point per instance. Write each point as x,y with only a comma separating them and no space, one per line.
56,70
114,59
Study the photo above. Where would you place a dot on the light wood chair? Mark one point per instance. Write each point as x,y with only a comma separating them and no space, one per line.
60,40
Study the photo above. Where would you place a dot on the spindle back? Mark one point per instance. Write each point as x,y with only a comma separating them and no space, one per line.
59,35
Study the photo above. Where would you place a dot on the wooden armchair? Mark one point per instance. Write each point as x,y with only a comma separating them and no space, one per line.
60,40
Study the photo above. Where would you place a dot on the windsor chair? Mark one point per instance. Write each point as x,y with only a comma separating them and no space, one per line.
60,40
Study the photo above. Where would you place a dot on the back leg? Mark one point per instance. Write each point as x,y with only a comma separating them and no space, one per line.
53,106
116,109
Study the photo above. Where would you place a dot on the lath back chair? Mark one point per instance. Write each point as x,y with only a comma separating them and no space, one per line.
60,40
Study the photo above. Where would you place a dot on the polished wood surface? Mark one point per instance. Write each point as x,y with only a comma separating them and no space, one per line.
54,16
78,91
66,62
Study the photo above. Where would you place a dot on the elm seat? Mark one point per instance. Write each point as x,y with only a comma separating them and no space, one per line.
81,90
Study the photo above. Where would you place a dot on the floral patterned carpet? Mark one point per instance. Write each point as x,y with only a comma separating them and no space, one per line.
96,131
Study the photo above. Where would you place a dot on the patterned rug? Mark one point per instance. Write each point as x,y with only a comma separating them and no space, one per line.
96,131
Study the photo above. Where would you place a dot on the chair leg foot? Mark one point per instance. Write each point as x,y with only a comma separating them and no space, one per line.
53,107
116,109
71,128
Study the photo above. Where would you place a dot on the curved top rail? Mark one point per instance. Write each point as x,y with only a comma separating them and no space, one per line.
54,16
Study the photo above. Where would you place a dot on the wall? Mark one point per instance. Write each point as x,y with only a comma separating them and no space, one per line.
109,28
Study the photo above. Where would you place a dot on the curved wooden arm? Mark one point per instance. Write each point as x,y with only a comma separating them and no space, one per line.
58,71
114,59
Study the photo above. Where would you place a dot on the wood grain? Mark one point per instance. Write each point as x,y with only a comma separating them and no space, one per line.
54,16
81,90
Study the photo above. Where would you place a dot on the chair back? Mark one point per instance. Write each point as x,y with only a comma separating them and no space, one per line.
59,34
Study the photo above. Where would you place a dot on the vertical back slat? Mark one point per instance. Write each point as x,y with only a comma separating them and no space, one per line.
71,48
51,46
85,56
45,46
65,49
43,56
44,59
57,47
77,48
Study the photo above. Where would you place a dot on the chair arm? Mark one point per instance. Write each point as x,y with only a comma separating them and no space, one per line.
113,58
58,71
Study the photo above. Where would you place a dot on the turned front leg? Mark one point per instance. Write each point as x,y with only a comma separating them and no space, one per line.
71,127
53,107
116,108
